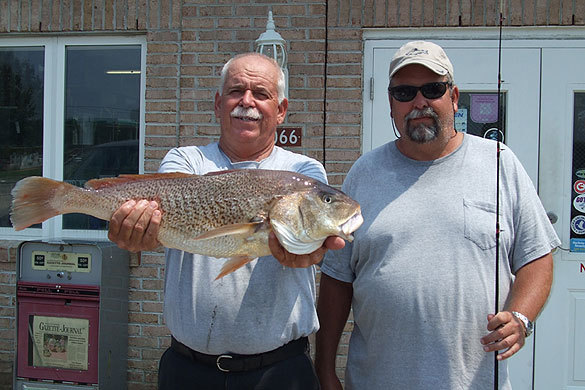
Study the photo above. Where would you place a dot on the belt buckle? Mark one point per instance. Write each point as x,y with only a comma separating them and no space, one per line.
218,362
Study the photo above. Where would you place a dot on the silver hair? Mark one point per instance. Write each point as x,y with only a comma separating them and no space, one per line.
450,81
280,84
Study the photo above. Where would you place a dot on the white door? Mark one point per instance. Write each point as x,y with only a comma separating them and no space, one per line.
539,128
560,356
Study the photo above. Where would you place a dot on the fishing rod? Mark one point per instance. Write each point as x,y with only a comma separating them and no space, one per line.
498,150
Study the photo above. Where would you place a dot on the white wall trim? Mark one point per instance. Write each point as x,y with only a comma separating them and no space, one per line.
537,34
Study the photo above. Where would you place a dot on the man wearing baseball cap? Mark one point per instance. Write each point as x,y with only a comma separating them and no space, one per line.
420,272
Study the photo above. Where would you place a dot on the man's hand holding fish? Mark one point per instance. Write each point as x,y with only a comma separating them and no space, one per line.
134,226
301,261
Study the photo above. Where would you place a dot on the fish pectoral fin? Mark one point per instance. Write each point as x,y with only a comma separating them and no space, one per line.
233,264
229,230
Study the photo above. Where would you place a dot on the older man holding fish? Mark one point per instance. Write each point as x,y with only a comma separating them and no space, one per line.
239,199
247,330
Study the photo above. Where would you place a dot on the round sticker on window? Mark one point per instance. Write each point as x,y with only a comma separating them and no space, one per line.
580,173
494,134
579,203
578,224
579,186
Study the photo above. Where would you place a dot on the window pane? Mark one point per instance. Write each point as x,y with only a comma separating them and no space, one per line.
578,175
102,107
21,119
478,114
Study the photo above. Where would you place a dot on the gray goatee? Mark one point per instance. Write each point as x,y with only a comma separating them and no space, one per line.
423,133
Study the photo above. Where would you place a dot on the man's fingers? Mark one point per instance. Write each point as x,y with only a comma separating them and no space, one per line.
496,321
506,335
275,247
510,352
134,226
129,223
503,343
151,234
141,225
508,345
118,218
334,243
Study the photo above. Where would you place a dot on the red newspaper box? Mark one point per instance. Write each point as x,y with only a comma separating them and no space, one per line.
72,302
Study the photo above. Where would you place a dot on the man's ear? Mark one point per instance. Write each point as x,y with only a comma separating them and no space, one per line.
455,98
217,104
282,108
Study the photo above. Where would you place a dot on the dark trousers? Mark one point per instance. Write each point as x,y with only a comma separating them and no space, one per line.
177,372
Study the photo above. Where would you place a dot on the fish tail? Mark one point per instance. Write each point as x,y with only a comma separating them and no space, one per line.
233,264
36,199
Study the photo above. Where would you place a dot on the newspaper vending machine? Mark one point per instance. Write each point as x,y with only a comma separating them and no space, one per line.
72,316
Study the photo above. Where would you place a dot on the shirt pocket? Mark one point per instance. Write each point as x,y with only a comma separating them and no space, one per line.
480,223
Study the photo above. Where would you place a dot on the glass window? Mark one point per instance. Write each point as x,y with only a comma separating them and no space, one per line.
21,119
478,114
578,175
102,118
70,109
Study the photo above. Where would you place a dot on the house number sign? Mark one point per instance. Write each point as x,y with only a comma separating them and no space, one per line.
288,136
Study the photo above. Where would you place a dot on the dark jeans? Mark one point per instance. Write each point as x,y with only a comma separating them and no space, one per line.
178,372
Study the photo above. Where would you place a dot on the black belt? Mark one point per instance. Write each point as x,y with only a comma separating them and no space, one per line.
239,363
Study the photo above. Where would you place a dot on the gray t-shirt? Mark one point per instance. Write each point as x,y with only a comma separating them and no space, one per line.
257,308
422,264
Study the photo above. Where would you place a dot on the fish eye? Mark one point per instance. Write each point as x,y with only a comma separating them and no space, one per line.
327,198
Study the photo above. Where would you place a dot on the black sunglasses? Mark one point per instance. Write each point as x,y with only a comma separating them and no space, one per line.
405,93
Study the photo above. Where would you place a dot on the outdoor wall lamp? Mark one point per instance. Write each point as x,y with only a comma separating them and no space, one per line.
271,44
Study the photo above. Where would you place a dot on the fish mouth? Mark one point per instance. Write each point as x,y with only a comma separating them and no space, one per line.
351,225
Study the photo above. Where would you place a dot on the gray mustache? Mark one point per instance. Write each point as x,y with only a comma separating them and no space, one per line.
249,112
425,112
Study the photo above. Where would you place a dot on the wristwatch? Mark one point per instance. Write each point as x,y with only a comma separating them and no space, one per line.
528,325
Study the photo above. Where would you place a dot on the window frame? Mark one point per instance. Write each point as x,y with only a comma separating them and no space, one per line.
53,122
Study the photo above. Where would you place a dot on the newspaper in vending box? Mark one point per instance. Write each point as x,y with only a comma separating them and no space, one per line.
60,342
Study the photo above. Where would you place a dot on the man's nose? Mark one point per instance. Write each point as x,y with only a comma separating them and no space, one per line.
247,98
419,100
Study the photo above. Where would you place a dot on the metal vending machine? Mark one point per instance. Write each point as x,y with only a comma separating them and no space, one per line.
72,316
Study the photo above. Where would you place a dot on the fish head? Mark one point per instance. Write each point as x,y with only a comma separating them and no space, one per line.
326,211
303,220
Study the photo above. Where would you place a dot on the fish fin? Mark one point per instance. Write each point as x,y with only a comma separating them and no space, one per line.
35,199
233,264
230,230
97,184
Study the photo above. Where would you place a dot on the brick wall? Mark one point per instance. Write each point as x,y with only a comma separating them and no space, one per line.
7,310
187,43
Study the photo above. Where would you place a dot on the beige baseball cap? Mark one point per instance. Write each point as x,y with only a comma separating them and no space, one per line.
424,53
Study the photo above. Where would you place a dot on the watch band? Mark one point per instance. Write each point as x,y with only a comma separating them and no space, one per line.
528,325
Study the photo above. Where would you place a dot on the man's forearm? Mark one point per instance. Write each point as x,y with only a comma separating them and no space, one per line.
532,287
333,309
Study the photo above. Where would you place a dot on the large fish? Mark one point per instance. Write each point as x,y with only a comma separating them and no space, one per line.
225,214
